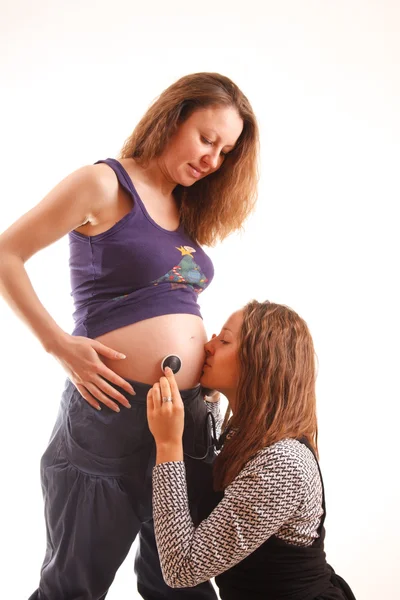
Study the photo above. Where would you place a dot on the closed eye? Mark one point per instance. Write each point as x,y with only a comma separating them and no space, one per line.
210,143
205,140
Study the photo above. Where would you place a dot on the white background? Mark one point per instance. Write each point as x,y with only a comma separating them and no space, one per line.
323,78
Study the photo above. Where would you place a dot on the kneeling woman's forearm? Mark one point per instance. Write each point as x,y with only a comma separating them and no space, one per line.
250,512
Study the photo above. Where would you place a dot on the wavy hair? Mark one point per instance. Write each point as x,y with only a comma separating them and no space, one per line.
276,389
218,204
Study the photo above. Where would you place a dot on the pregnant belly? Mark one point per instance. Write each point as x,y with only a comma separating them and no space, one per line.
146,343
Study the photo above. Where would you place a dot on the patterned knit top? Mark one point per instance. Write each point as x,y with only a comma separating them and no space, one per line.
278,492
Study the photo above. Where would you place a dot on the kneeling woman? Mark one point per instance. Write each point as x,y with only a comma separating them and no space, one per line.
265,538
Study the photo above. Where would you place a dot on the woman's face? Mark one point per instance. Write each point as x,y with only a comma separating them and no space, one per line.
200,143
221,368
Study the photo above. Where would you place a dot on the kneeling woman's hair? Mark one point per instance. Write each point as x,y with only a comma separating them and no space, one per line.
276,391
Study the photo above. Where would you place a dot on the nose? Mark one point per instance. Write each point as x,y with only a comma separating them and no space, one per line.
209,346
212,158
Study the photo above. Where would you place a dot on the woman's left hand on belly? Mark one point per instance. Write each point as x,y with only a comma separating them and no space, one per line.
165,415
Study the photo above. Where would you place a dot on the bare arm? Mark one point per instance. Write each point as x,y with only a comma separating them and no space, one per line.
77,199
66,207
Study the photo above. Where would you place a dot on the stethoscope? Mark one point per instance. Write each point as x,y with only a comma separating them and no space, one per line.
215,443
175,363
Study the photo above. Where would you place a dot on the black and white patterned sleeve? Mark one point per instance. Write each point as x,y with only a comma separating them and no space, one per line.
258,502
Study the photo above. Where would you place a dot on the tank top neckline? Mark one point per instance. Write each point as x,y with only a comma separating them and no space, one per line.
137,198
127,183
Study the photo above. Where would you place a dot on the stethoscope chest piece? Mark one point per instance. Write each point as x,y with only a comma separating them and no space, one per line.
173,362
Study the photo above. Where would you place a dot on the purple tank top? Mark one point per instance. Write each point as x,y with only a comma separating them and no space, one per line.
135,270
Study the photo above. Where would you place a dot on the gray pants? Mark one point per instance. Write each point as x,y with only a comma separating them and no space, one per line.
96,480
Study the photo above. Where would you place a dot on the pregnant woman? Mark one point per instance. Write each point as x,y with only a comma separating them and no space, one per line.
186,177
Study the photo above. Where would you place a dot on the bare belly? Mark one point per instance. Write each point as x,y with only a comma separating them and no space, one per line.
146,343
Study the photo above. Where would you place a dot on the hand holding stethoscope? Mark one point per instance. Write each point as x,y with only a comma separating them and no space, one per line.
165,413
165,416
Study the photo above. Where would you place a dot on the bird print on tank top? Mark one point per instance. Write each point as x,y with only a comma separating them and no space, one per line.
187,271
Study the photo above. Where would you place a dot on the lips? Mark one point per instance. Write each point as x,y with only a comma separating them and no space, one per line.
196,172
204,369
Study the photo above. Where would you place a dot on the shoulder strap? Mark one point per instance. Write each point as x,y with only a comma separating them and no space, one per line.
123,178
306,443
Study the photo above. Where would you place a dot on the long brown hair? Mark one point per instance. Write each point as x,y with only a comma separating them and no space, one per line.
218,204
276,391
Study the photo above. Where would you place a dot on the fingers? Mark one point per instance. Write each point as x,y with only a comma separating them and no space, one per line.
101,397
157,401
100,390
159,391
150,403
116,379
85,394
108,389
165,388
106,351
165,420
173,386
